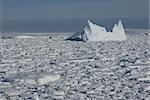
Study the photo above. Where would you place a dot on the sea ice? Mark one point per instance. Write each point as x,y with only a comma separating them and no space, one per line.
52,68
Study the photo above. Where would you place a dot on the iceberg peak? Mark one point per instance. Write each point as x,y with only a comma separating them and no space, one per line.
119,27
89,22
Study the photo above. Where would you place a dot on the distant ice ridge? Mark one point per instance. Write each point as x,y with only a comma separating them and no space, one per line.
25,37
93,32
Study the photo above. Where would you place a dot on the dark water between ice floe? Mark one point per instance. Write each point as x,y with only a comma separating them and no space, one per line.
64,25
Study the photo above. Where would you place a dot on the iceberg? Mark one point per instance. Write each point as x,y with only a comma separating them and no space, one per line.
94,32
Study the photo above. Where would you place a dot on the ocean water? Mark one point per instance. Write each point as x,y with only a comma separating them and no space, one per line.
65,25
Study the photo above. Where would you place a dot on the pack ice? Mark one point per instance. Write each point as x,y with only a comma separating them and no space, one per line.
93,32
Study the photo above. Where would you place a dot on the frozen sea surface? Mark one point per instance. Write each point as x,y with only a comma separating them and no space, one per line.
52,68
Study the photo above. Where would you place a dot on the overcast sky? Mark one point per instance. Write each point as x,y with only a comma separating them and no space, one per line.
68,9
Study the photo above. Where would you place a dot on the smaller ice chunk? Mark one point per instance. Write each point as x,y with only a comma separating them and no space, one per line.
47,78
36,78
